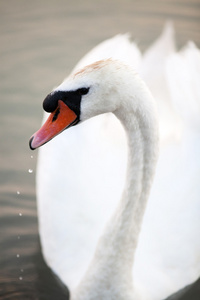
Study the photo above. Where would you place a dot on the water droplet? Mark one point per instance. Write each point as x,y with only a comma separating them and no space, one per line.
30,171
18,237
18,255
22,270
18,192
20,214
20,278
31,156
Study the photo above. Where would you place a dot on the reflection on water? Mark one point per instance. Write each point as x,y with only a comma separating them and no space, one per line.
40,43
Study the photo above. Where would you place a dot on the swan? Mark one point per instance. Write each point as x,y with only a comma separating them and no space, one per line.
103,142
111,86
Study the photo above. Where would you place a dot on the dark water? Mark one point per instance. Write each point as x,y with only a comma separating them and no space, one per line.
40,43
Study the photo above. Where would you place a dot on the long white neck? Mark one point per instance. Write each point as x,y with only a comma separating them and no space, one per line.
110,274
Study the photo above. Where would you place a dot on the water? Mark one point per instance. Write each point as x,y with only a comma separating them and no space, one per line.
41,41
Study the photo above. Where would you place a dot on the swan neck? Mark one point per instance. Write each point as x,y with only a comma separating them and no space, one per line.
113,260
142,156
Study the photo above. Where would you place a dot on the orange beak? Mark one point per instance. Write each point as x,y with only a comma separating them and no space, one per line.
62,118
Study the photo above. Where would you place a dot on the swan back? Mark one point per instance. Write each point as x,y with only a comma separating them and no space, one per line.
173,209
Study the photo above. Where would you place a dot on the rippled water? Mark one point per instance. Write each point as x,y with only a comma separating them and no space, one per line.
40,43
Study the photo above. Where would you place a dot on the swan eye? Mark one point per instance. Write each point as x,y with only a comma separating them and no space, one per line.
83,91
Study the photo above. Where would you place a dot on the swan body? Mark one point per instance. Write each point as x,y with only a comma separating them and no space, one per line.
72,216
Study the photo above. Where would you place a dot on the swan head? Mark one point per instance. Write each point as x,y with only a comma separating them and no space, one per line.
91,91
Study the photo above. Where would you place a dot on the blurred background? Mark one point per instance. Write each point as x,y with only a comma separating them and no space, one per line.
40,43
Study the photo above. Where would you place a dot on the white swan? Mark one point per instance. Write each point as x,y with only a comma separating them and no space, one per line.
87,216
110,86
